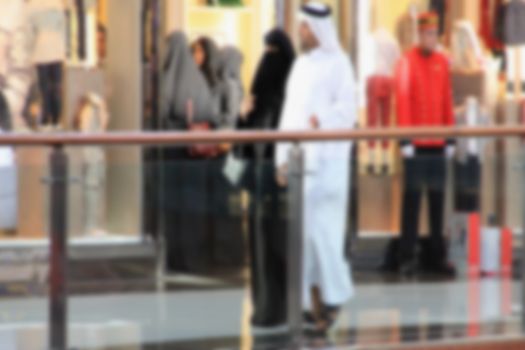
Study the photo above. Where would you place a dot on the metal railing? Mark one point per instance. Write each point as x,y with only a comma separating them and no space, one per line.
59,173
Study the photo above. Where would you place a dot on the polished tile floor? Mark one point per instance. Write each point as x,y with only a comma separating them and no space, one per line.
380,314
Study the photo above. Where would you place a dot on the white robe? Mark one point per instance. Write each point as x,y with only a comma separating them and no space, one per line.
322,84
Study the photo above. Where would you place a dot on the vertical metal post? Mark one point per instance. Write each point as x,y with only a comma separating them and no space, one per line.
295,244
58,250
522,272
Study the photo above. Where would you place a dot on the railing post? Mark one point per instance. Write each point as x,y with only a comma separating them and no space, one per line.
522,257
58,250
295,244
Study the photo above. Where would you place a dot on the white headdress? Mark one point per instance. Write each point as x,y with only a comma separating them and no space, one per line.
318,16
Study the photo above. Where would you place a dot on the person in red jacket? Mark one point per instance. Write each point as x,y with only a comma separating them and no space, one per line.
424,99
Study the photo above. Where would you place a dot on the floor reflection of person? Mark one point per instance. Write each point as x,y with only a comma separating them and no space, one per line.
424,98
267,226
321,96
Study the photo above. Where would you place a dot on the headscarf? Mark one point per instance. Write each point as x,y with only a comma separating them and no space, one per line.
211,66
231,90
230,63
318,16
182,82
275,66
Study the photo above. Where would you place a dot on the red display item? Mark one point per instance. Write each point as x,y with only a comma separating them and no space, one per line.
379,104
424,93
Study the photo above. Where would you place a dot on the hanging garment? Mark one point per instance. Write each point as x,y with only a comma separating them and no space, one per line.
467,53
515,23
515,63
50,80
469,158
379,103
385,52
490,25
48,21
440,7
93,117
322,84
15,63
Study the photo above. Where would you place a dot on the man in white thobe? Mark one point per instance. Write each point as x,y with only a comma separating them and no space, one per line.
321,96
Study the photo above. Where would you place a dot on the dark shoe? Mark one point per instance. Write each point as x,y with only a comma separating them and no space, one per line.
329,316
384,169
309,318
371,169
408,269
444,270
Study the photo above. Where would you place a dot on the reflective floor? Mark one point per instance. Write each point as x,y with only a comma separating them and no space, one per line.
212,318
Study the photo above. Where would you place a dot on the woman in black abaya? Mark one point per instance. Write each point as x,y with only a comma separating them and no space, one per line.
267,219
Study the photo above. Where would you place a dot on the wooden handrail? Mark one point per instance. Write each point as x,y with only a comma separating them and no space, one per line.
245,137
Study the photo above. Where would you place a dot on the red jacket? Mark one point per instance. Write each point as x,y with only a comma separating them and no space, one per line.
424,93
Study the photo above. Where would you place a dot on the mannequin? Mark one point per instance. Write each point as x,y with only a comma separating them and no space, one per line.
469,158
15,72
93,117
386,53
407,32
515,52
48,21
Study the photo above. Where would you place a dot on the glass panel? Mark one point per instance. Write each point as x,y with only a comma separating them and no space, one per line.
212,272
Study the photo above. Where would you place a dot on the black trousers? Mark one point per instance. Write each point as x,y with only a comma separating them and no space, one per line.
50,83
425,172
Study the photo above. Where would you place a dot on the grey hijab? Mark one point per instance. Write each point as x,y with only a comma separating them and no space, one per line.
231,60
231,91
182,82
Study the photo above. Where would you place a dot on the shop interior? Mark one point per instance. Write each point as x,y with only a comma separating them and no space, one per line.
119,92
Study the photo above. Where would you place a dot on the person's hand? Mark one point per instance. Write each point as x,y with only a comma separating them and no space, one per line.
314,123
450,151
282,176
247,107
408,151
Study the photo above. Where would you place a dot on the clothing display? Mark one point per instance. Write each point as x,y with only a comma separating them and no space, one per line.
15,65
470,151
48,22
379,103
467,53
515,23
50,82
93,117
322,84
515,62
491,24
467,177
407,31
441,8
385,52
